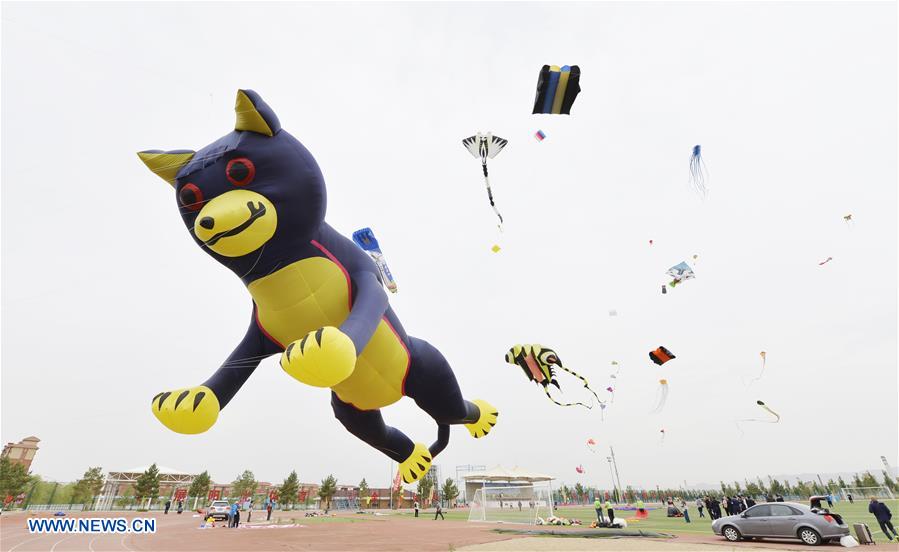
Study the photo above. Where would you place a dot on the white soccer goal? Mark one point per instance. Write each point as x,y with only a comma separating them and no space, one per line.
512,504
863,493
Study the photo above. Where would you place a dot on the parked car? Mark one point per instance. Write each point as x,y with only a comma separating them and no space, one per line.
783,520
219,509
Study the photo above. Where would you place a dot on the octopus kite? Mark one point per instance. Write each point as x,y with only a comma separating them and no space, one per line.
698,173
539,365
254,200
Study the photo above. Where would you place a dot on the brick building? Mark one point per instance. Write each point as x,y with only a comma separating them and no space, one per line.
22,452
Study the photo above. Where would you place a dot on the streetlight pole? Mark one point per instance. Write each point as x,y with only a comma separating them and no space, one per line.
616,471
612,476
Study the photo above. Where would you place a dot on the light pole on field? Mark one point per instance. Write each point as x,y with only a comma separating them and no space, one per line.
612,477
617,478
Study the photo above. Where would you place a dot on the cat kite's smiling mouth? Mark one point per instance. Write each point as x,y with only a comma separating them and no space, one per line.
255,213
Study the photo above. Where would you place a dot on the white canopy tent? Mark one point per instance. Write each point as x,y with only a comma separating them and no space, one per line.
500,476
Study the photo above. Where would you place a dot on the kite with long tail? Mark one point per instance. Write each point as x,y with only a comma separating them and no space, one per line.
764,356
767,409
661,396
539,365
484,147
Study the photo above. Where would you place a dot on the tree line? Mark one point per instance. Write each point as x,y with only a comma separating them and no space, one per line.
17,486
757,488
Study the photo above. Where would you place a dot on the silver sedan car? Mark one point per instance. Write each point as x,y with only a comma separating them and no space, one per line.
782,520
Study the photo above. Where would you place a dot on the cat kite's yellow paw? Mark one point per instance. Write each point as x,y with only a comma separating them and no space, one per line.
417,465
486,420
190,411
323,358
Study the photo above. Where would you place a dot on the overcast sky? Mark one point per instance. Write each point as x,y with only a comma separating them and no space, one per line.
107,300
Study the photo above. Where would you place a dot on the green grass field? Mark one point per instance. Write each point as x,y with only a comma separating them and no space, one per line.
659,522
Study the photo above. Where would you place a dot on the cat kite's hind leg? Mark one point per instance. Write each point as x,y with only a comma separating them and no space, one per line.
368,425
432,385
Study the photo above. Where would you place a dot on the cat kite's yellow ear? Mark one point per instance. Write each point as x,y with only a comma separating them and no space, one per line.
254,115
166,164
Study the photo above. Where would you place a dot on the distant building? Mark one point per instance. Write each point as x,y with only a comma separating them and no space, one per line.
119,485
23,451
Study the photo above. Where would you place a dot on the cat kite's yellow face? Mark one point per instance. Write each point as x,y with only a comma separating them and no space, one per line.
236,223
231,192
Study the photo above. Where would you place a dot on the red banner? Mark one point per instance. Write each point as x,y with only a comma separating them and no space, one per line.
273,496
214,494
180,494
301,496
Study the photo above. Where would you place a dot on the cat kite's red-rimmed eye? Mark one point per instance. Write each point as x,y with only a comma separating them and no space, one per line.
190,197
240,171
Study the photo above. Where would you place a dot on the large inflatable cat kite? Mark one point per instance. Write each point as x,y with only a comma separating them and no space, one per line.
255,201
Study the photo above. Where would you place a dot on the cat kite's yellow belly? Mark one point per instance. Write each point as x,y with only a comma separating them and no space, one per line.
315,292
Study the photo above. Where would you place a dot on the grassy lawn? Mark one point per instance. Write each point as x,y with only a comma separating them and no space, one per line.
659,522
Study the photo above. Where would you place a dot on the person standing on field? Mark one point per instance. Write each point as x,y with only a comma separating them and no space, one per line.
714,508
883,516
597,505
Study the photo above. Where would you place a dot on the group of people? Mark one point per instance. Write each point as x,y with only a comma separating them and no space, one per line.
168,505
502,504
683,511
731,505
610,511
234,513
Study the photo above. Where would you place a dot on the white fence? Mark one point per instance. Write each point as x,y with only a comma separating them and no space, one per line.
55,507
